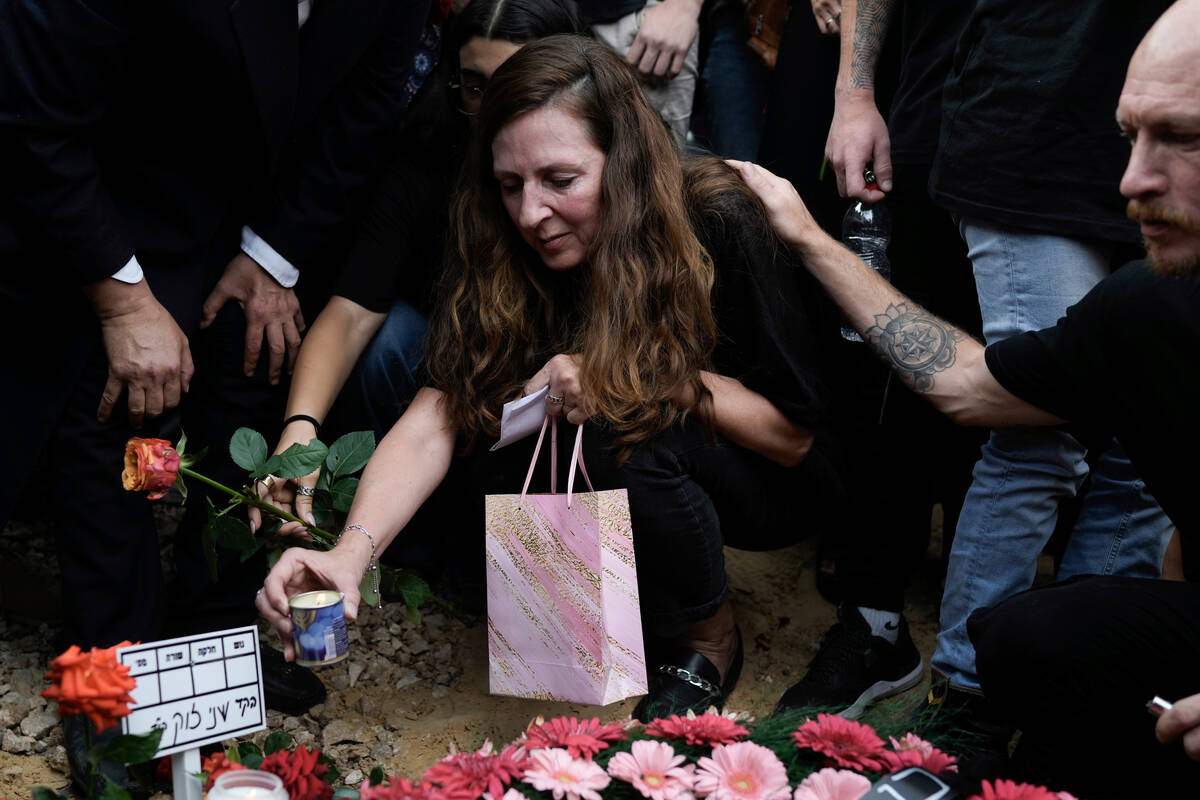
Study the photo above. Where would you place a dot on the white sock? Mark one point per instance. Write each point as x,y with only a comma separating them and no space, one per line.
884,624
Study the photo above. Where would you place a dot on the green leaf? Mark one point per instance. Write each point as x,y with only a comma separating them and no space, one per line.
343,493
42,793
208,543
297,461
377,776
233,534
112,791
414,592
132,748
248,449
181,445
346,793
276,741
181,485
251,754
193,460
367,590
323,480
332,775
350,453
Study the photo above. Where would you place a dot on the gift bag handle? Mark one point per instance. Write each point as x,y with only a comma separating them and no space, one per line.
576,458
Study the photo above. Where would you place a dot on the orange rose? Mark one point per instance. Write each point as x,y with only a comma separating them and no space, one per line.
215,765
150,466
92,683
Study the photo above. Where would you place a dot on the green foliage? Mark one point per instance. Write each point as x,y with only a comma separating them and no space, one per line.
248,449
350,453
377,775
250,754
231,533
112,791
346,793
295,462
42,793
343,493
132,748
276,741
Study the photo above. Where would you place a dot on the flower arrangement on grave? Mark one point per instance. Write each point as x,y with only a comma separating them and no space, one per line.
155,466
712,755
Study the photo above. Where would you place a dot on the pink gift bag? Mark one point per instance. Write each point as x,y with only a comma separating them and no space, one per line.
563,614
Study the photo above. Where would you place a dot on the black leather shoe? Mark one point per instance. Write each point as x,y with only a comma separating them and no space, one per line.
75,740
687,680
289,687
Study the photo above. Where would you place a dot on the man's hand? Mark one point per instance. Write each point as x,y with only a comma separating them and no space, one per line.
828,14
664,38
858,136
786,211
148,354
271,311
1182,720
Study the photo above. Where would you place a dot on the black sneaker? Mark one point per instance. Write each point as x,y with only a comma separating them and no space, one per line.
853,668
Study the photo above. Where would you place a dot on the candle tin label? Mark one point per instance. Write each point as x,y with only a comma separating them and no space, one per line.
319,628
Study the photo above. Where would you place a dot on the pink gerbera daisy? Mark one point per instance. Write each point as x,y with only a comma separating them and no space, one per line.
582,738
742,771
654,770
845,742
832,784
704,729
1011,790
473,774
554,771
913,751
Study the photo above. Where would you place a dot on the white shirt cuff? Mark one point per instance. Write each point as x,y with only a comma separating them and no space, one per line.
276,265
130,273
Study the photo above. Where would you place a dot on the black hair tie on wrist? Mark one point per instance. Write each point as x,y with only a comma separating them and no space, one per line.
304,417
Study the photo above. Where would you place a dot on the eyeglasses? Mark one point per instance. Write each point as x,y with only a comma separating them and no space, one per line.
470,88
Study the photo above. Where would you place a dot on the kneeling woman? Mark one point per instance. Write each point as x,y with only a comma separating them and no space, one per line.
656,304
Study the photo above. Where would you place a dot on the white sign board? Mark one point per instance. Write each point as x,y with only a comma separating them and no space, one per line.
198,689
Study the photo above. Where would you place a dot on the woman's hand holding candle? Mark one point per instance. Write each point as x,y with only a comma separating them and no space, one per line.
300,570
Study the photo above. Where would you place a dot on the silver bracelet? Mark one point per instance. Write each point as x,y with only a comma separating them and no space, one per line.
373,567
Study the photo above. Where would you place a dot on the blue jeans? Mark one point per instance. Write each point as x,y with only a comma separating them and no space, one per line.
1026,281
386,372
733,91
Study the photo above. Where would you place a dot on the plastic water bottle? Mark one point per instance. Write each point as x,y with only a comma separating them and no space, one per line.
866,230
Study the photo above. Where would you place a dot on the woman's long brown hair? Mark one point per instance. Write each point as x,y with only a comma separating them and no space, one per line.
639,314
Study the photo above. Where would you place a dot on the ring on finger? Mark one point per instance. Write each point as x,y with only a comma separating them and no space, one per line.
306,491
268,482
555,399
829,21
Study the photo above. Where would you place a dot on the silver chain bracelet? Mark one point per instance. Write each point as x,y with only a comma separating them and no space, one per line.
689,677
373,567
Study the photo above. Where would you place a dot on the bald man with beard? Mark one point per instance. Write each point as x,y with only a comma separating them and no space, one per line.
1074,664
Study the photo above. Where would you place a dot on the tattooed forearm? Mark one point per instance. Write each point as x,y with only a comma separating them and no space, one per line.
914,343
870,29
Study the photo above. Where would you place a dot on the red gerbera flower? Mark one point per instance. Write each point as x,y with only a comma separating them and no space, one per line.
1011,790
402,789
471,774
300,773
913,751
845,742
582,738
704,729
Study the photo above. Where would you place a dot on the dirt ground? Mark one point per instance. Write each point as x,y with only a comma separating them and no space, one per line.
440,699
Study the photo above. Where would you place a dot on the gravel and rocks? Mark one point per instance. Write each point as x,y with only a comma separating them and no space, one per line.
410,689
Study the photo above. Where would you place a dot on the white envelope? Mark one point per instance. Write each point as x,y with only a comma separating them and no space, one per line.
522,417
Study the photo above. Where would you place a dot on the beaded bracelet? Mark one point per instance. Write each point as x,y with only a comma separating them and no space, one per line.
373,567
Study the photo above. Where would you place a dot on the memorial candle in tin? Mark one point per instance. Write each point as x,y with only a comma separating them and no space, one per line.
319,628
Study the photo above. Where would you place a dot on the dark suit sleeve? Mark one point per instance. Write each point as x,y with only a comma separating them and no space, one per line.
58,59
350,134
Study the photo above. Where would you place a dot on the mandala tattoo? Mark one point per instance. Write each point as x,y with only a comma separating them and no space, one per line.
915,343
